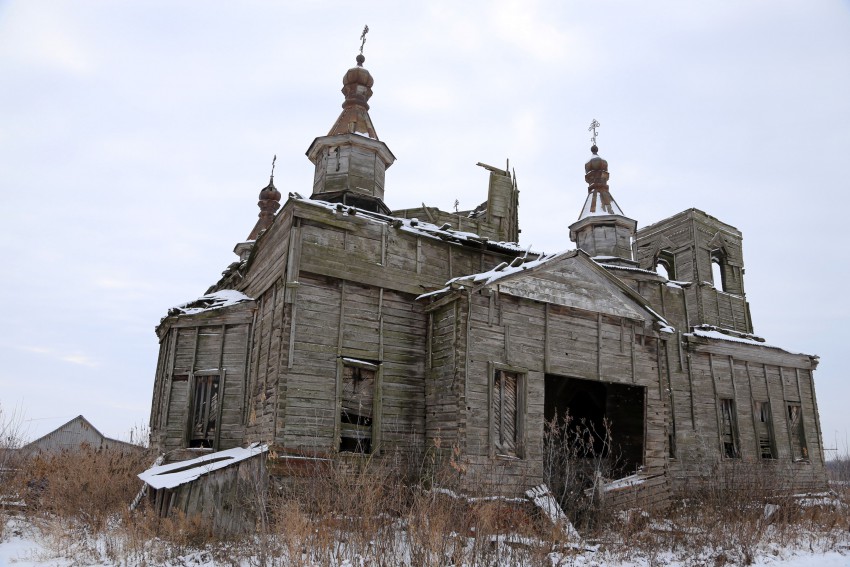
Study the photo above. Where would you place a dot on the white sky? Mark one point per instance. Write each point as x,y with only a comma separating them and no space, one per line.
135,137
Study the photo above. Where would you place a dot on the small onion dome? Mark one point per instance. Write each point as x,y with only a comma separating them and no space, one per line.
595,163
270,192
357,84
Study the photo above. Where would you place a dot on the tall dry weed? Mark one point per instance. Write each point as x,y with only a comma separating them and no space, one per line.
90,486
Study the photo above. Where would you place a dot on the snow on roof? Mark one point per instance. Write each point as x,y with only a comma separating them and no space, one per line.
504,270
519,264
216,300
181,472
412,225
712,332
627,268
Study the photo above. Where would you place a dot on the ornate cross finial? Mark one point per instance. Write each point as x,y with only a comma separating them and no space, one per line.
592,128
363,38
274,159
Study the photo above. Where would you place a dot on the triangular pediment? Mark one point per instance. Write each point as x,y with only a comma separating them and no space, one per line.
574,280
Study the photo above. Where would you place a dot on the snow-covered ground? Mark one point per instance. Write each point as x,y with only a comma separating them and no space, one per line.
25,545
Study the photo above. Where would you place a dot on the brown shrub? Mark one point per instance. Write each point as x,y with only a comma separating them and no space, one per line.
86,485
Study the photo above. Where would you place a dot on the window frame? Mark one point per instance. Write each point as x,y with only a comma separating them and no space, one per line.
496,449
718,256
667,260
375,440
194,378
734,432
760,408
803,449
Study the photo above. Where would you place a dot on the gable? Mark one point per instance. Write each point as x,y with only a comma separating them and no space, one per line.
574,280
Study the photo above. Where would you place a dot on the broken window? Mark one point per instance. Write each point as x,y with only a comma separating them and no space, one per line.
799,450
506,409
357,406
204,415
764,430
729,428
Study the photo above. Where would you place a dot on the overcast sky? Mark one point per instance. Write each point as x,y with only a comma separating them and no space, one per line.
135,137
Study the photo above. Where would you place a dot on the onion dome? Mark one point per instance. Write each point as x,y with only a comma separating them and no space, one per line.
599,200
269,193
596,171
269,203
357,88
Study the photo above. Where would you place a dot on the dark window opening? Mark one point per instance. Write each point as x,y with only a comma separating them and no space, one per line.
357,409
729,428
764,430
506,425
799,450
204,412
597,420
718,270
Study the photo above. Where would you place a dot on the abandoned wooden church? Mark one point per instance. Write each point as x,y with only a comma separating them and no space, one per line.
347,329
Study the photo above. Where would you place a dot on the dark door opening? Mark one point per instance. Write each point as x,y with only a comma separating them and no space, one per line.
595,420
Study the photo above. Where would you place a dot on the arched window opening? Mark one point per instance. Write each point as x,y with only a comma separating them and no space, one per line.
665,265
718,270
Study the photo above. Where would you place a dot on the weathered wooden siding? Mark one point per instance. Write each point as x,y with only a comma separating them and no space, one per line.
349,291
338,318
230,498
745,374
212,343
266,352
691,237
537,339
443,388
269,257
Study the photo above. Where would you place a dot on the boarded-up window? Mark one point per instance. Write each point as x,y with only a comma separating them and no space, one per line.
729,428
764,430
799,450
506,407
357,407
204,415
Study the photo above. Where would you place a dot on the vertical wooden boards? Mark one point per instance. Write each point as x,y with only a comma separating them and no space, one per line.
440,401
210,344
339,318
270,256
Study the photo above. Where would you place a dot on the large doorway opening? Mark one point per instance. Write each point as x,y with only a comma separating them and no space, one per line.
593,429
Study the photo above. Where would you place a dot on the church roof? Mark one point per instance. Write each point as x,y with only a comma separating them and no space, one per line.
357,88
597,205
414,226
210,302
573,265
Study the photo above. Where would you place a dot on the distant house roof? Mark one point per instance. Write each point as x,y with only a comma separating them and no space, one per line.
73,435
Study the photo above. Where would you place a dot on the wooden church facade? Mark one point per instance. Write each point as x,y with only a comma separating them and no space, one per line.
346,329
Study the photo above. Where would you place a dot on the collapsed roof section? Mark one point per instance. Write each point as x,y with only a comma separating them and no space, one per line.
183,472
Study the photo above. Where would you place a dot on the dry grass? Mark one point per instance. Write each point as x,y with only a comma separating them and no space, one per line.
365,511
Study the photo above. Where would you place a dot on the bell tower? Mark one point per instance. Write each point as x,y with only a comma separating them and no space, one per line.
602,230
351,161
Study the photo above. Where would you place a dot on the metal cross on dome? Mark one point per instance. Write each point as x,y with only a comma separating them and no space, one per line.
592,128
363,38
